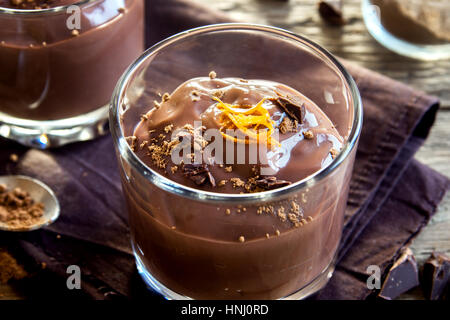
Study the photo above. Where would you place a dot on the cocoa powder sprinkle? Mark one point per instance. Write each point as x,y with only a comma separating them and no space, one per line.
18,210
212,75
308,134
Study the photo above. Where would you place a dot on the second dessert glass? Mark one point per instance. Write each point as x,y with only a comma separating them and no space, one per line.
56,76
185,245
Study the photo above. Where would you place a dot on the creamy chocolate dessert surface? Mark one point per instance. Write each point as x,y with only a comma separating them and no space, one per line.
306,143
265,250
35,4
51,72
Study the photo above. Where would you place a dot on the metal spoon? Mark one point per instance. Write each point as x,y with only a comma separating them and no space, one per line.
39,192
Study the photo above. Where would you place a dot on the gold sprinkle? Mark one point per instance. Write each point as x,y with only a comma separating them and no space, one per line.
121,10
143,144
14,157
218,93
144,117
267,235
229,169
174,169
173,227
212,75
304,198
304,221
156,104
308,134
165,97
44,44
309,218
168,128
277,232
195,96
237,183
75,33
241,239
228,212
281,214
222,183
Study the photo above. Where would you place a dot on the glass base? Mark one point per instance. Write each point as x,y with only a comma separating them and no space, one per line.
56,133
402,47
314,286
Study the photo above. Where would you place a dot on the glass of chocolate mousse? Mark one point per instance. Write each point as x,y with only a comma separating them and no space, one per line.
236,145
59,62
418,29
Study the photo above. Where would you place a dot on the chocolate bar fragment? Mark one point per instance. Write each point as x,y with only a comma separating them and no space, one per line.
199,173
402,276
436,276
293,106
331,12
271,183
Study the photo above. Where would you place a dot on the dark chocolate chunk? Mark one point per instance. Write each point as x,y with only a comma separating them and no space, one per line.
402,276
293,106
199,173
436,276
271,183
331,12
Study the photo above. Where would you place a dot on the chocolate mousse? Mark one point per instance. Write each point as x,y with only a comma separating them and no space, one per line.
259,251
53,72
307,138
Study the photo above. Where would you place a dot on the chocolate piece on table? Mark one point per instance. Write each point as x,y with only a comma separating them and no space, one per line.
331,12
270,183
436,276
402,276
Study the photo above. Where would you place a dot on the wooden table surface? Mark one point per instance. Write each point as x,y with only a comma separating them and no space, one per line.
353,42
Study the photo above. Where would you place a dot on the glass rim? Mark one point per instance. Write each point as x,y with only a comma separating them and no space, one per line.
32,12
191,193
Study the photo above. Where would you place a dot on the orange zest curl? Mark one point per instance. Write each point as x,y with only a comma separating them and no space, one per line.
250,120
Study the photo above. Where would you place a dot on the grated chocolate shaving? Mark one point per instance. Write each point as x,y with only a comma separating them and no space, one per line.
199,173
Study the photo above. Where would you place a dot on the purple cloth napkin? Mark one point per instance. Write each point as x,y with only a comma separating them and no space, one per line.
391,197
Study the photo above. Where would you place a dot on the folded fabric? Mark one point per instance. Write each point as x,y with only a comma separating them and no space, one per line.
391,196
